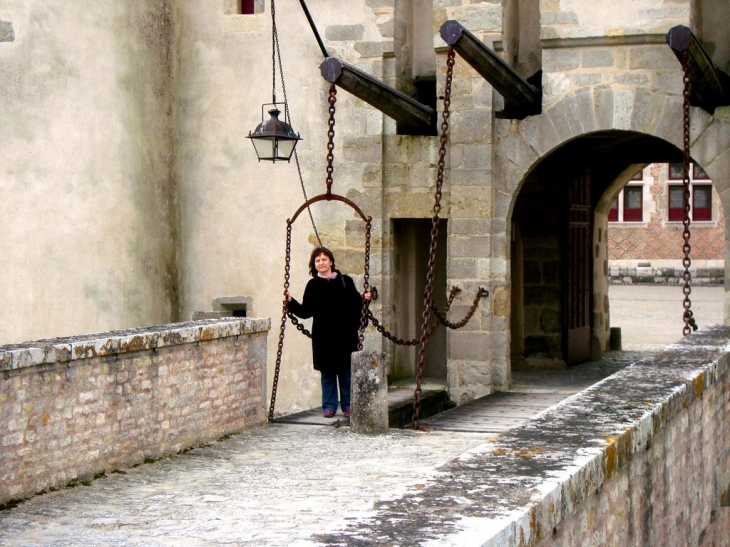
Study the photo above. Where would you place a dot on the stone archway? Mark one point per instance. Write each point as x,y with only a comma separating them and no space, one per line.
642,126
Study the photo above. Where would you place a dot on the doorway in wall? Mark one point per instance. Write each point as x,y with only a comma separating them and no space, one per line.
412,239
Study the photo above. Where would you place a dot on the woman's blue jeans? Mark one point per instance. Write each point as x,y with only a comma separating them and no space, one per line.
329,391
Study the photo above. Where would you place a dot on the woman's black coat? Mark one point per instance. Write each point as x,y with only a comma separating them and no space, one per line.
336,308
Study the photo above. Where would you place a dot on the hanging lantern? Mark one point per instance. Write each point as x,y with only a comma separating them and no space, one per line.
274,139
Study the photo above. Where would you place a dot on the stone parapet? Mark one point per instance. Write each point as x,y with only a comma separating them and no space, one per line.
81,406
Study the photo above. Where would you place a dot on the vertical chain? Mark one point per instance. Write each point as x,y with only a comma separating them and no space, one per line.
428,293
280,348
366,285
332,99
689,321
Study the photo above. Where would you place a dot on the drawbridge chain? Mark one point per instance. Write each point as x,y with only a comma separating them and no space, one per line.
428,293
367,315
689,320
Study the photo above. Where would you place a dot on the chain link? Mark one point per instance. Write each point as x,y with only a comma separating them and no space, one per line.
428,293
280,347
689,320
332,99
367,315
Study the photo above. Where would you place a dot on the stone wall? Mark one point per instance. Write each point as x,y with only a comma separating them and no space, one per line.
76,407
639,459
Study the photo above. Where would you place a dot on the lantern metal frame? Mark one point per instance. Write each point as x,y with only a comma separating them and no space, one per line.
274,139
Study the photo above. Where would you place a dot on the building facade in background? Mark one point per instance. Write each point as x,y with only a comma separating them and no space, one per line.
646,228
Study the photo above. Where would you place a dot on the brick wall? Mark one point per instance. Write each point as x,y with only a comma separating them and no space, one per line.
75,407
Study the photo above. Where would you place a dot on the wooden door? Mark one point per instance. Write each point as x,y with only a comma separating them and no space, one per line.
577,288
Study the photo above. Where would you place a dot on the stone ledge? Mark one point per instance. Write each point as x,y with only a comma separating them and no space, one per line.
28,354
519,488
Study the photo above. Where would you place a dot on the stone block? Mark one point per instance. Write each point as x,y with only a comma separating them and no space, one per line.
539,133
340,33
477,156
369,412
582,80
560,60
468,345
652,58
470,177
469,226
633,80
464,268
597,58
644,110
565,118
558,17
369,49
470,201
668,81
586,110
623,104
7,34
471,126
469,246
603,100
480,18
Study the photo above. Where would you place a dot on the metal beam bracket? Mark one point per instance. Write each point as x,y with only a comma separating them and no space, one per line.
522,97
709,86
389,101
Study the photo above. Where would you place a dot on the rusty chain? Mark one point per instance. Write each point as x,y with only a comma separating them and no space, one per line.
689,320
428,293
367,315
284,311
332,99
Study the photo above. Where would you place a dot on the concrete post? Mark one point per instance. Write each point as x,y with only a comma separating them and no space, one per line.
369,411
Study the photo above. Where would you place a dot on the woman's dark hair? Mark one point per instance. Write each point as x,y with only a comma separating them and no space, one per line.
315,253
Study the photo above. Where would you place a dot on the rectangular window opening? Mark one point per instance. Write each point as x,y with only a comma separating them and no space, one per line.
248,7
701,202
633,204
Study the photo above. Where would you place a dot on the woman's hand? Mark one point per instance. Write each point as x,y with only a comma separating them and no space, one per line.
366,295
287,297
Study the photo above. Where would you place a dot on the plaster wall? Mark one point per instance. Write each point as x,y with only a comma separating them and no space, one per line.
233,209
86,192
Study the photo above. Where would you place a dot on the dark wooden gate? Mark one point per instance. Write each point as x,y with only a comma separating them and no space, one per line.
578,288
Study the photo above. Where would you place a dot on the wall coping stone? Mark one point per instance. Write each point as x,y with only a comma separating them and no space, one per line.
516,487
84,346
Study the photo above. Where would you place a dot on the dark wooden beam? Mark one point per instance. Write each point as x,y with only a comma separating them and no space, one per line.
389,101
522,97
709,86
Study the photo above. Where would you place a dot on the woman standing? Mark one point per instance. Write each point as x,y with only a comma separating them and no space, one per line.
333,302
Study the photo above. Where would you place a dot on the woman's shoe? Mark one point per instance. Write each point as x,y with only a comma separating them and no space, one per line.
347,413
329,414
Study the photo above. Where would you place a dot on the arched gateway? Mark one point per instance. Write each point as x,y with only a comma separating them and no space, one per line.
561,170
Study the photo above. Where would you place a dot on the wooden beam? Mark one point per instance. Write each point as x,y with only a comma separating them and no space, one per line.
389,101
522,97
709,86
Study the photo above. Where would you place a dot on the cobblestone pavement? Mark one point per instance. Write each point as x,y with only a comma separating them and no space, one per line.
274,485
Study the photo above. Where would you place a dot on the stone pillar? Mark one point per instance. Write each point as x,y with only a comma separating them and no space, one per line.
369,393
